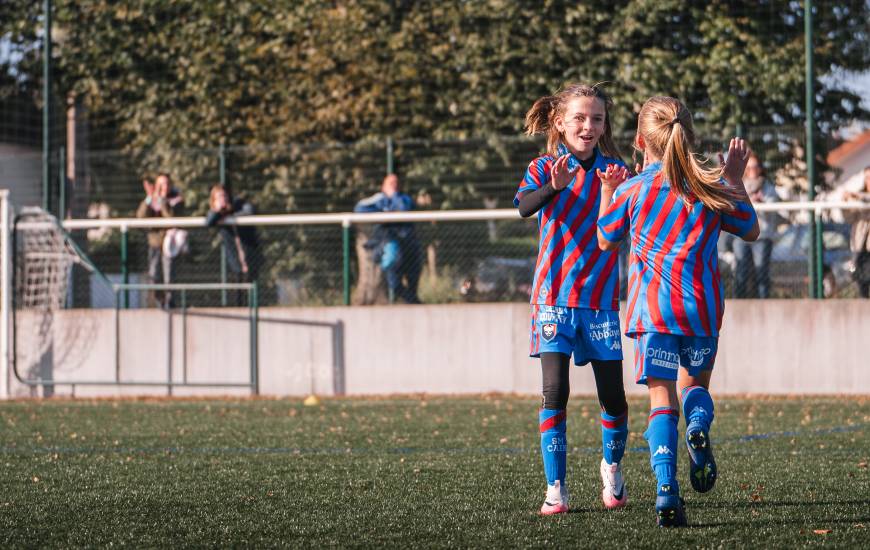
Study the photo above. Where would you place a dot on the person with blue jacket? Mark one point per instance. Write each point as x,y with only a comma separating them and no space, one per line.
394,245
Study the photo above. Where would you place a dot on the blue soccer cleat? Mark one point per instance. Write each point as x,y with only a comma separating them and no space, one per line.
702,466
670,508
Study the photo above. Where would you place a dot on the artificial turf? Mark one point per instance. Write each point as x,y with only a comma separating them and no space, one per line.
413,471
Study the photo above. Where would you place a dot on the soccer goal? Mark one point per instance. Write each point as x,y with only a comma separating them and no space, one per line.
46,344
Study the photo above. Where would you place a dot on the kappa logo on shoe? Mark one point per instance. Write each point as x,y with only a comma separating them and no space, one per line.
662,450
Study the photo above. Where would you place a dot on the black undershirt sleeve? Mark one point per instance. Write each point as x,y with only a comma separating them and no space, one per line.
532,201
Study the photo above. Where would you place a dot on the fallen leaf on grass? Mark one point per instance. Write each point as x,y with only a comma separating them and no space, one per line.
862,464
822,531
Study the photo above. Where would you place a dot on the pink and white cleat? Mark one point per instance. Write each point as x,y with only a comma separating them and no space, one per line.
556,501
614,493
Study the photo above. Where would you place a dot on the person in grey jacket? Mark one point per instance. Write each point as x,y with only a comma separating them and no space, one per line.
752,277
859,241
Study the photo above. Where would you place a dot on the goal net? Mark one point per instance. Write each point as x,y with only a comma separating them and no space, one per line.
42,262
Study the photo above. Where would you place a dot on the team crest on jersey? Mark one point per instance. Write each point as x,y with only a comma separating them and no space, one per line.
548,331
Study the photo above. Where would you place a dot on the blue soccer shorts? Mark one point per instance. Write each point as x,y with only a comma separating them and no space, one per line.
661,355
586,333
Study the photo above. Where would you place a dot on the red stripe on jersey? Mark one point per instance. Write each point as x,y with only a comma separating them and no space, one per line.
603,277
652,292
638,363
587,267
544,270
633,299
677,302
568,263
553,421
698,275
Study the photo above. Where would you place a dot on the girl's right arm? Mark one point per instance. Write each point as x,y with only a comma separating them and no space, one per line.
532,201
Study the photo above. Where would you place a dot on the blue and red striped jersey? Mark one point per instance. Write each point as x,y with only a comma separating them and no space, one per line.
673,281
571,270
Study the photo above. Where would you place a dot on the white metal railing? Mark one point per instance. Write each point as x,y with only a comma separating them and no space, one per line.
347,219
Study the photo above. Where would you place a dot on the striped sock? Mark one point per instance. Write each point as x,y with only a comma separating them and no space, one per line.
614,432
554,444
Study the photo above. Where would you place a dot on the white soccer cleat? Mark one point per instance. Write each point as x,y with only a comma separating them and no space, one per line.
556,501
614,493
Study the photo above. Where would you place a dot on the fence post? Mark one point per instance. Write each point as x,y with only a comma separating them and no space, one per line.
815,249
345,253
254,302
46,103
390,159
125,274
5,292
222,163
222,175
61,195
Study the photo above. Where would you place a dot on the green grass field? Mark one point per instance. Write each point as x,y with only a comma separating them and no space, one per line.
412,471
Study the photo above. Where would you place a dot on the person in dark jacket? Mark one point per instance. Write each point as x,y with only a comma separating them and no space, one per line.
241,243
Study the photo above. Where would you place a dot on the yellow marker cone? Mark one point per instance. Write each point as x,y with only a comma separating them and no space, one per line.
311,401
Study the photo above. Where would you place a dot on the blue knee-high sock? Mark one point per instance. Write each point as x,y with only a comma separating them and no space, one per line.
554,444
698,406
662,438
614,432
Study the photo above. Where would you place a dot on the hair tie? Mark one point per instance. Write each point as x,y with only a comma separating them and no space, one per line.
676,120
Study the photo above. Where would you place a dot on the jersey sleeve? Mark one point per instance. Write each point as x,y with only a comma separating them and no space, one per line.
537,175
740,220
615,221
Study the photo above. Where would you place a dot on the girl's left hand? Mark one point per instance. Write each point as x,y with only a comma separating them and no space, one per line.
612,177
735,165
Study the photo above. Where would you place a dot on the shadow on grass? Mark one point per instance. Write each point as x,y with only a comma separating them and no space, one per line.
776,504
779,521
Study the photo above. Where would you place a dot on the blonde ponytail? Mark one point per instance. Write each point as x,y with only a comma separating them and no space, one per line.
667,129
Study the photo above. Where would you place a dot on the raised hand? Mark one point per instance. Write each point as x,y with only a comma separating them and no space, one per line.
734,166
148,186
562,177
612,177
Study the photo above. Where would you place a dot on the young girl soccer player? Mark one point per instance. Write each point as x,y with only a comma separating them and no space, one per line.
575,288
673,212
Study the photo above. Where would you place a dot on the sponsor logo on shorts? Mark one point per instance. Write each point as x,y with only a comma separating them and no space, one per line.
696,355
552,314
663,358
605,330
548,331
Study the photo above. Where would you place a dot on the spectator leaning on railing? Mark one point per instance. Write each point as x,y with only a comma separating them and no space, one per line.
241,242
860,236
394,245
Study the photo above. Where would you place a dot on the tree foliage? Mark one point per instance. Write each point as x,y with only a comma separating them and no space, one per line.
186,74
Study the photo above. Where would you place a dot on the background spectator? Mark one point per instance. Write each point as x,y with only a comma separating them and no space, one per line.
395,246
752,277
161,200
240,242
859,241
